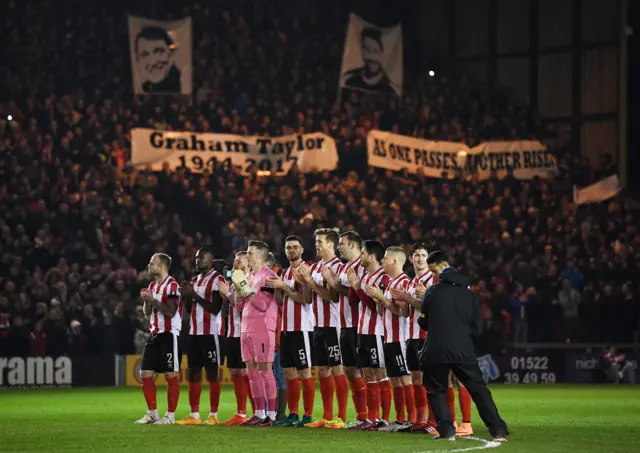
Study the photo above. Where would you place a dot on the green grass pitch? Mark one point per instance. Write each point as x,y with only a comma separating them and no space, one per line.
545,419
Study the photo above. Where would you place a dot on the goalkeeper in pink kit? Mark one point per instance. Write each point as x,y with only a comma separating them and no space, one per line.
259,310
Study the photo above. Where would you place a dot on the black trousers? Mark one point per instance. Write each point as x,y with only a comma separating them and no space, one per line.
436,381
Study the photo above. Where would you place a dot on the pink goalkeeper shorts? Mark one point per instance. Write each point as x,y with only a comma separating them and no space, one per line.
259,347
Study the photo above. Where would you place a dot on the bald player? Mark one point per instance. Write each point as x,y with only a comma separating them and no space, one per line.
396,328
161,354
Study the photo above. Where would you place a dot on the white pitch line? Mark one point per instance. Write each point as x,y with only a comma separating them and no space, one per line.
485,444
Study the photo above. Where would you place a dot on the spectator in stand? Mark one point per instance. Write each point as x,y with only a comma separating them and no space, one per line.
109,334
569,300
77,342
519,318
501,310
55,327
618,368
572,274
38,341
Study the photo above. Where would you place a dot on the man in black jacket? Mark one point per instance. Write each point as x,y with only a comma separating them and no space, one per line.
451,316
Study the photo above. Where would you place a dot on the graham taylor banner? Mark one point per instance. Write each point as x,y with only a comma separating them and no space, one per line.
201,152
436,159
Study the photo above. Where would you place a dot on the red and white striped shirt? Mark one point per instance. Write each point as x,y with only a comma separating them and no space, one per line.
295,317
235,321
235,316
349,305
327,313
370,321
415,332
396,328
204,322
163,292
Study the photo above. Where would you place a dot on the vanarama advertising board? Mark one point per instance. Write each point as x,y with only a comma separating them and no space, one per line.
35,372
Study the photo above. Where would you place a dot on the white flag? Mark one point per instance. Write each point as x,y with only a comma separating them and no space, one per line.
372,58
600,191
161,60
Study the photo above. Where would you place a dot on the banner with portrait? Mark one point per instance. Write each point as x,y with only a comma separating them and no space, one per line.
161,56
372,58
206,151
439,159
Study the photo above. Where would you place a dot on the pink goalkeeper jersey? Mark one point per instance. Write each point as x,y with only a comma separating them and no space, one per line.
260,311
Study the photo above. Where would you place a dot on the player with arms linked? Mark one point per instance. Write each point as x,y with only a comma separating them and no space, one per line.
161,354
296,337
201,298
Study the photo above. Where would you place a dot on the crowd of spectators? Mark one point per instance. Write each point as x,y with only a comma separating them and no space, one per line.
78,227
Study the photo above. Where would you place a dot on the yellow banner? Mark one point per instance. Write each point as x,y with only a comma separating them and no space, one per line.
133,373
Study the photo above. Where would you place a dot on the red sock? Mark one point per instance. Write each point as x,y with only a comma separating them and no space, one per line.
327,389
173,393
293,395
432,418
410,402
373,401
195,389
308,395
342,394
421,403
214,396
241,393
398,402
385,399
149,392
248,387
464,399
359,393
451,402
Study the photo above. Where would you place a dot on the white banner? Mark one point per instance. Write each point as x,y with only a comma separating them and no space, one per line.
372,58
161,60
527,158
206,151
599,191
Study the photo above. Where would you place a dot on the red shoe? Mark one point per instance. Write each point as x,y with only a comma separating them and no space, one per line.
419,428
235,420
